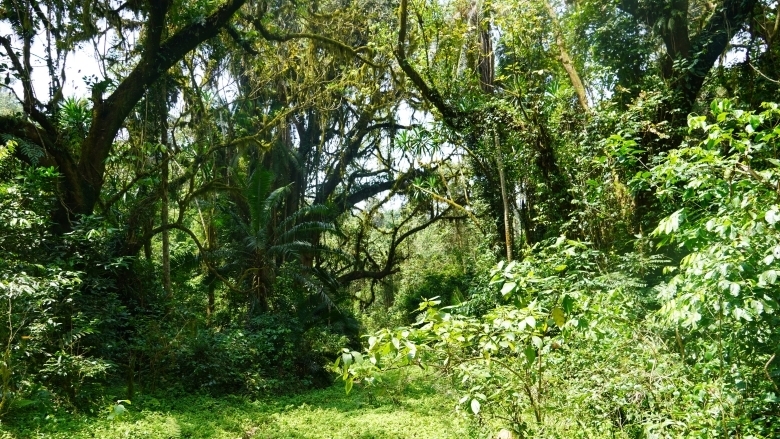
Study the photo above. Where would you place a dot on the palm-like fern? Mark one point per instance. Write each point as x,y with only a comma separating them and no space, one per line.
272,238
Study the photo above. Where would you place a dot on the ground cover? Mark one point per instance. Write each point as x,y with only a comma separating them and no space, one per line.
422,410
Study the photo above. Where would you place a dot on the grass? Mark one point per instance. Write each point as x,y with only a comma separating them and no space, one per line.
422,410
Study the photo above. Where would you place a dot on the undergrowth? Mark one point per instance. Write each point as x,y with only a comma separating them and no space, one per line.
420,410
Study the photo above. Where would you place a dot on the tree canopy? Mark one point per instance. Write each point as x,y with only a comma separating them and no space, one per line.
246,187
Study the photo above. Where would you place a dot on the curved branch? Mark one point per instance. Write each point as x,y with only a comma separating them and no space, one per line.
159,57
30,103
353,51
201,249
244,44
452,204
451,116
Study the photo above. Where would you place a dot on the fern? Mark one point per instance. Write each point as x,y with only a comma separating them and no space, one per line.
315,210
257,191
308,228
33,152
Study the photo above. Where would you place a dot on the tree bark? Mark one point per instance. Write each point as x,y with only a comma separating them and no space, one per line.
504,199
568,64
82,178
166,237
688,59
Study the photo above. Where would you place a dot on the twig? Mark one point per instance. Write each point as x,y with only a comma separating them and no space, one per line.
766,372
762,74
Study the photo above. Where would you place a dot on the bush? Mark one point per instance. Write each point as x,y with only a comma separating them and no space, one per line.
45,350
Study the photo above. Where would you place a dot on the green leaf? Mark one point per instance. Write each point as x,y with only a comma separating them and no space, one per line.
508,288
772,216
118,410
558,316
530,354
567,303
768,277
348,385
475,406
741,314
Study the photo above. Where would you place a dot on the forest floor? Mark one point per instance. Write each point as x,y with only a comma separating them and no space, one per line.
421,410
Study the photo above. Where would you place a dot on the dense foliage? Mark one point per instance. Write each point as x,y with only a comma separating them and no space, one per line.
567,212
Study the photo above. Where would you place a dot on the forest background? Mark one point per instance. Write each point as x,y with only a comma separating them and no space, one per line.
567,211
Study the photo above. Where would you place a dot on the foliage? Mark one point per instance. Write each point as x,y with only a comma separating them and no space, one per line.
244,186
722,299
421,411
44,330
500,359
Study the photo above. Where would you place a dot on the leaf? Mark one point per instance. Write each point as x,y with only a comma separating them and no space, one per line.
530,354
772,216
20,403
348,385
734,288
558,316
567,303
768,277
475,406
740,313
117,411
674,222
346,358
508,288
668,225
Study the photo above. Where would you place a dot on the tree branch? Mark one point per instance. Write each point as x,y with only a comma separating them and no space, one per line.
31,104
352,51
109,114
451,116
244,44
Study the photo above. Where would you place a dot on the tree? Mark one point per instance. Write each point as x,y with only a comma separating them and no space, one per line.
164,42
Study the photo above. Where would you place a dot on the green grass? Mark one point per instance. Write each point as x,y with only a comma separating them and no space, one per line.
420,411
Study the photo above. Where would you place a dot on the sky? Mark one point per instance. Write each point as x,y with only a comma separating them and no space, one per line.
81,63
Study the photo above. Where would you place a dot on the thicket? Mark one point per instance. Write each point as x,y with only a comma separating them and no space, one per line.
567,211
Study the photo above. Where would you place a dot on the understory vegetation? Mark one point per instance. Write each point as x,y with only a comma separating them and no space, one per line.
372,219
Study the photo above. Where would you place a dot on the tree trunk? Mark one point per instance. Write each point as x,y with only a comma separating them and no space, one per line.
568,65
83,178
166,240
504,199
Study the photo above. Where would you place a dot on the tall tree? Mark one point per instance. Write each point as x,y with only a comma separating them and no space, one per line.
113,99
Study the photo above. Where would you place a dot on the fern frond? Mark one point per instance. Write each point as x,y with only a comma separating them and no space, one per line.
308,228
32,151
319,290
257,190
340,254
274,200
315,210
290,248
